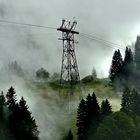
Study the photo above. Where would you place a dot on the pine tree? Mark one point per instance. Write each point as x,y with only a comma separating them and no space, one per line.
128,65
2,103
113,68
126,101
128,56
27,128
11,99
81,118
106,108
2,99
96,107
89,108
135,102
21,122
93,116
137,53
116,66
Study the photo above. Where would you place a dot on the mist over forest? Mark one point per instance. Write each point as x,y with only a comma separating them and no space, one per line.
35,105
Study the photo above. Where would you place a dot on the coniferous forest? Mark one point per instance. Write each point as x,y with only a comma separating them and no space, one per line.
16,119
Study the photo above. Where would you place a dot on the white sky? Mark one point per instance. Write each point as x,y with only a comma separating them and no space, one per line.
116,21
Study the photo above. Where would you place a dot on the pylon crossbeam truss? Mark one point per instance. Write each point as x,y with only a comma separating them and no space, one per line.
69,69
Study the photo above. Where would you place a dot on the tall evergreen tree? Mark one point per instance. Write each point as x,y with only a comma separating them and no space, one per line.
11,99
106,108
128,65
128,56
81,119
92,117
95,105
2,99
116,66
126,101
92,109
113,68
26,125
2,103
21,123
137,53
89,108
135,102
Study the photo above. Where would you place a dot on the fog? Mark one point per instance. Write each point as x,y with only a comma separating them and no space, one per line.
32,47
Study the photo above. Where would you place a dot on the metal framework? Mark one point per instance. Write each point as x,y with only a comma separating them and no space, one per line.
69,69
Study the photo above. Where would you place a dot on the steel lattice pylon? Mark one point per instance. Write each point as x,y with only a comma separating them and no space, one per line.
69,69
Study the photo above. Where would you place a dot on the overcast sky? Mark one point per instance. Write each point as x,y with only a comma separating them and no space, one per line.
116,21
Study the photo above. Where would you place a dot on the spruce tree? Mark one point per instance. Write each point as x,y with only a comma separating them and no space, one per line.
27,125
21,122
2,103
92,109
81,119
113,68
137,53
128,65
126,101
92,116
11,99
95,109
135,102
128,56
116,66
89,108
2,99
106,108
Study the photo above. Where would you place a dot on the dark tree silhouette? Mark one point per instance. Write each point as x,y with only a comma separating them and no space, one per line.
128,59
2,103
26,127
87,116
92,116
2,99
21,122
95,105
137,53
116,66
128,65
106,108
89,108
81,119
11,99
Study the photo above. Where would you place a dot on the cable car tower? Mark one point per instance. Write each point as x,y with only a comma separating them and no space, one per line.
69,69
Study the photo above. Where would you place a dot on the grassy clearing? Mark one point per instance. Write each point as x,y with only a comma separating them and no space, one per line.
59,96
